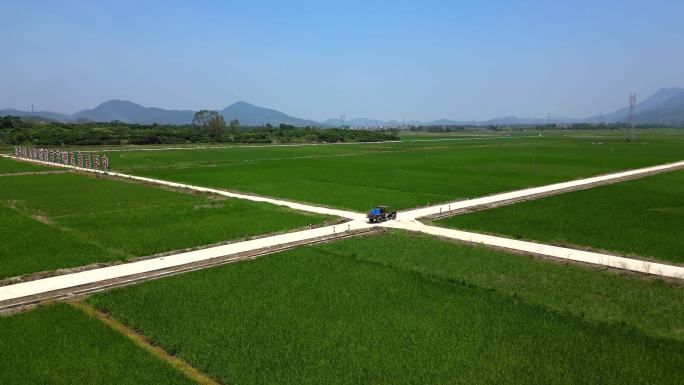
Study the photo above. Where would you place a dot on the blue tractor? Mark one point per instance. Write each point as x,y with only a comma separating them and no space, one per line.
381,214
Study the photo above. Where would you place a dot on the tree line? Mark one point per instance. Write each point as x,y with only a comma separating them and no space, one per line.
207,127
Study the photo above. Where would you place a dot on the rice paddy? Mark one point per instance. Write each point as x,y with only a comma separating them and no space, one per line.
374,310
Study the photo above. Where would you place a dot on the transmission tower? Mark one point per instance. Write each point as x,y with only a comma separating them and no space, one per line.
342,117
632,104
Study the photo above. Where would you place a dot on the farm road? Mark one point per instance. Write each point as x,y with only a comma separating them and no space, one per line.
279,202
536,192
300,144
237,146
540,249
107,274
10,295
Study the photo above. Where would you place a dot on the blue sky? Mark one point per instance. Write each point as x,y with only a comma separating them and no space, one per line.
318,59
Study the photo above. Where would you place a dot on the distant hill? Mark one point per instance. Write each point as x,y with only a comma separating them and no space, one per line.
48,115
447,122
666,106
130,112
251,115
670,111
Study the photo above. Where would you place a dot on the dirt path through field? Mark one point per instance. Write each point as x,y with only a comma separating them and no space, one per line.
188,370
32,173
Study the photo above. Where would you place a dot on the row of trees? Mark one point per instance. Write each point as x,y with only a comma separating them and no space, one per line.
207,127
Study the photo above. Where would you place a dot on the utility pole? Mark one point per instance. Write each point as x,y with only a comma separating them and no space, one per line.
632,104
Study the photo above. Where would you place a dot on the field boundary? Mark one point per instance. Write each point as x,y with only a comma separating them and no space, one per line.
32,173
141,341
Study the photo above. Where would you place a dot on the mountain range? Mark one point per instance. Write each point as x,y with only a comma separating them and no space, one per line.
666,106
129,112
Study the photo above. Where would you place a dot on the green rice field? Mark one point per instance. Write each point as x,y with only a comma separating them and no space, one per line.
403,309
643,217
9,166
393,307
65,220
61,345
404,174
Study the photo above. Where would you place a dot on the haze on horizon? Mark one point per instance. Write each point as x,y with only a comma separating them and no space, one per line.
399,60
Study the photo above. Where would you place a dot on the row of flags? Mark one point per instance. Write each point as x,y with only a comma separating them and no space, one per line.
79,159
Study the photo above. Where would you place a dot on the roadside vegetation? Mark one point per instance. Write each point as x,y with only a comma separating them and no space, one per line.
58,344
66,220
403,309
643,217
406,174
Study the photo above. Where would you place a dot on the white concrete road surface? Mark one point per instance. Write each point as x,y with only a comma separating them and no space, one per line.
538,191
279,202
72,280
613,261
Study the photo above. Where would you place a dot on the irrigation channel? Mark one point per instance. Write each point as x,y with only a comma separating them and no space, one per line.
66,286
